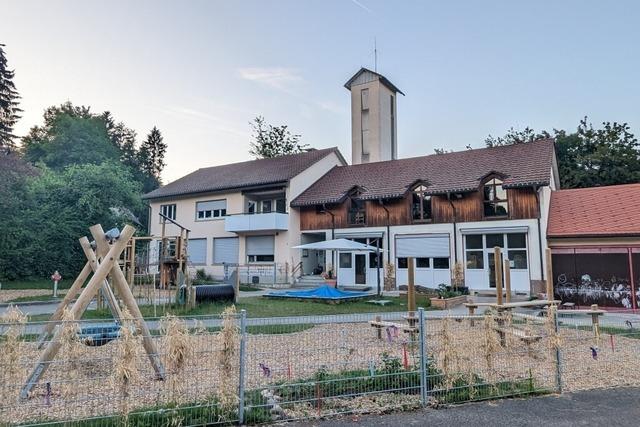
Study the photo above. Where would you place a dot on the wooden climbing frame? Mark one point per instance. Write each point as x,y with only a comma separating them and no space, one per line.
103,263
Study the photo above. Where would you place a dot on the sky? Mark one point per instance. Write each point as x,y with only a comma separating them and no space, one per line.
202,70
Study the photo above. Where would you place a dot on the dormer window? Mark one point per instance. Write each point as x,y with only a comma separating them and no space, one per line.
357,213
421,204
495,199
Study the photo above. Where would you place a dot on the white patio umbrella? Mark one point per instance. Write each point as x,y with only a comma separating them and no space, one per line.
344,245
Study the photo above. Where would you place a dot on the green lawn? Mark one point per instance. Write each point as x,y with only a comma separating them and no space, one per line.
36,298
35,284
265,307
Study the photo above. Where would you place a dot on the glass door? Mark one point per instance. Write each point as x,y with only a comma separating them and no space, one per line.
491,241
361,269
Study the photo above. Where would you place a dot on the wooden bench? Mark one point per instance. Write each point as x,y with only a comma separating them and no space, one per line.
380,325
518,333
471,307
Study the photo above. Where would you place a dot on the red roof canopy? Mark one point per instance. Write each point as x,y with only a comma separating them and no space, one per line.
595,212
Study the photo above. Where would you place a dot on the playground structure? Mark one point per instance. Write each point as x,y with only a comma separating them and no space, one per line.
103,262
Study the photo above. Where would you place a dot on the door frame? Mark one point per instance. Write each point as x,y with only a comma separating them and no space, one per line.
363,275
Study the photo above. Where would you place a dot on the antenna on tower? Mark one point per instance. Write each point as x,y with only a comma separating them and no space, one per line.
375,55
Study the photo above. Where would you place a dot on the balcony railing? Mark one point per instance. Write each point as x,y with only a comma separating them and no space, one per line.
273,221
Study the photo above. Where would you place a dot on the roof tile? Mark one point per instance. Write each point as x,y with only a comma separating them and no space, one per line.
240,175
520,164
595,212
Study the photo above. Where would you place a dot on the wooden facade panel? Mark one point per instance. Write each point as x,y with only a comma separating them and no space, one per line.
522,205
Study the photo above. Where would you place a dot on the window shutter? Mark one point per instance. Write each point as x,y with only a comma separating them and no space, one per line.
260,245
197,251
225,250
212,205
436,246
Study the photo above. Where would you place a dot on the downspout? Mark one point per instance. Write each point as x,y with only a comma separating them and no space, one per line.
535,191
333,236
455,238
388,231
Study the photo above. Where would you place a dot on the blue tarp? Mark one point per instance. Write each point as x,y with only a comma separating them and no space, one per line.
323,292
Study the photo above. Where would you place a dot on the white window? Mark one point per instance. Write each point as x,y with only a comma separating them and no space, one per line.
169,211
225,250
211,209
364,98
260,248
197,251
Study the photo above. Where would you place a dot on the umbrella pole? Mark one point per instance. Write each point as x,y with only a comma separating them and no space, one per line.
378,268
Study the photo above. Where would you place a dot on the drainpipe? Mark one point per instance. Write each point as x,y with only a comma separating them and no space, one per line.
455,239
333,236
388,231
535,191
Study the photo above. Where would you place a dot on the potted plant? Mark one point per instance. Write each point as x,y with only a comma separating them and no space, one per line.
329,278
448,297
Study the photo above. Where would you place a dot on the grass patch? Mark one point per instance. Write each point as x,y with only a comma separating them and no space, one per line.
611,330
35,284
265,307
249,288
35,298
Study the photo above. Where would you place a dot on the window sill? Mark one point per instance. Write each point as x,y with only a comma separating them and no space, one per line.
422,221
494,218
210,219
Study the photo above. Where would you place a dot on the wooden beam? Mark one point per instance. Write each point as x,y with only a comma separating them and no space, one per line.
79,306
497,263
549,275
411,288
129,301
73,291
507,280
107,293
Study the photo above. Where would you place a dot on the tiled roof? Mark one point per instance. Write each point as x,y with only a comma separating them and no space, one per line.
595,212
241,175
520,165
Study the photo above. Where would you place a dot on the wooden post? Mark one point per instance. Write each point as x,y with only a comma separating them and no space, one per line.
378,328
132,263
74,290
129,301
595,321
549,276
411,288
107,293
237,285
163,255
498,267
79,306
507,279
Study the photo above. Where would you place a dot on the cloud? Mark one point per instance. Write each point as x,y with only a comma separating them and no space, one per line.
277,78
210,121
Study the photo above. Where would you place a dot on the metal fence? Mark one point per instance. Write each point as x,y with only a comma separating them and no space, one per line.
234,369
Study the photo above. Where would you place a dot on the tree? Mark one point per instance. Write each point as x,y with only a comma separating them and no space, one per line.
151,154
588,157
9,110
273,141
69,139
515,137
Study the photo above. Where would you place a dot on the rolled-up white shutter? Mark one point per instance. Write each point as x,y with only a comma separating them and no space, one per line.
212,205
225,250
260,245
436,246
197,251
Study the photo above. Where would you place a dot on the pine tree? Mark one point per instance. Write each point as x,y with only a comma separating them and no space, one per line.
151,154
9,110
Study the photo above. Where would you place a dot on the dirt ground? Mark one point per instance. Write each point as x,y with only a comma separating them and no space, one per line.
82,384
7,295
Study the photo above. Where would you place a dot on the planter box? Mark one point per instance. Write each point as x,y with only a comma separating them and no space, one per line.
445,304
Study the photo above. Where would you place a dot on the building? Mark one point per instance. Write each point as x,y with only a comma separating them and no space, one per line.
238,213
441,209
374,132
594,237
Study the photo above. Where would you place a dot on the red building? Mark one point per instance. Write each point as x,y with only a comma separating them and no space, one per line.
594,236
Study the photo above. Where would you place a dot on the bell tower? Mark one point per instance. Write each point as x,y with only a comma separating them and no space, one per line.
373,117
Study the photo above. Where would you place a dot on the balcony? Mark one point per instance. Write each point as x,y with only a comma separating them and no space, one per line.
245,223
